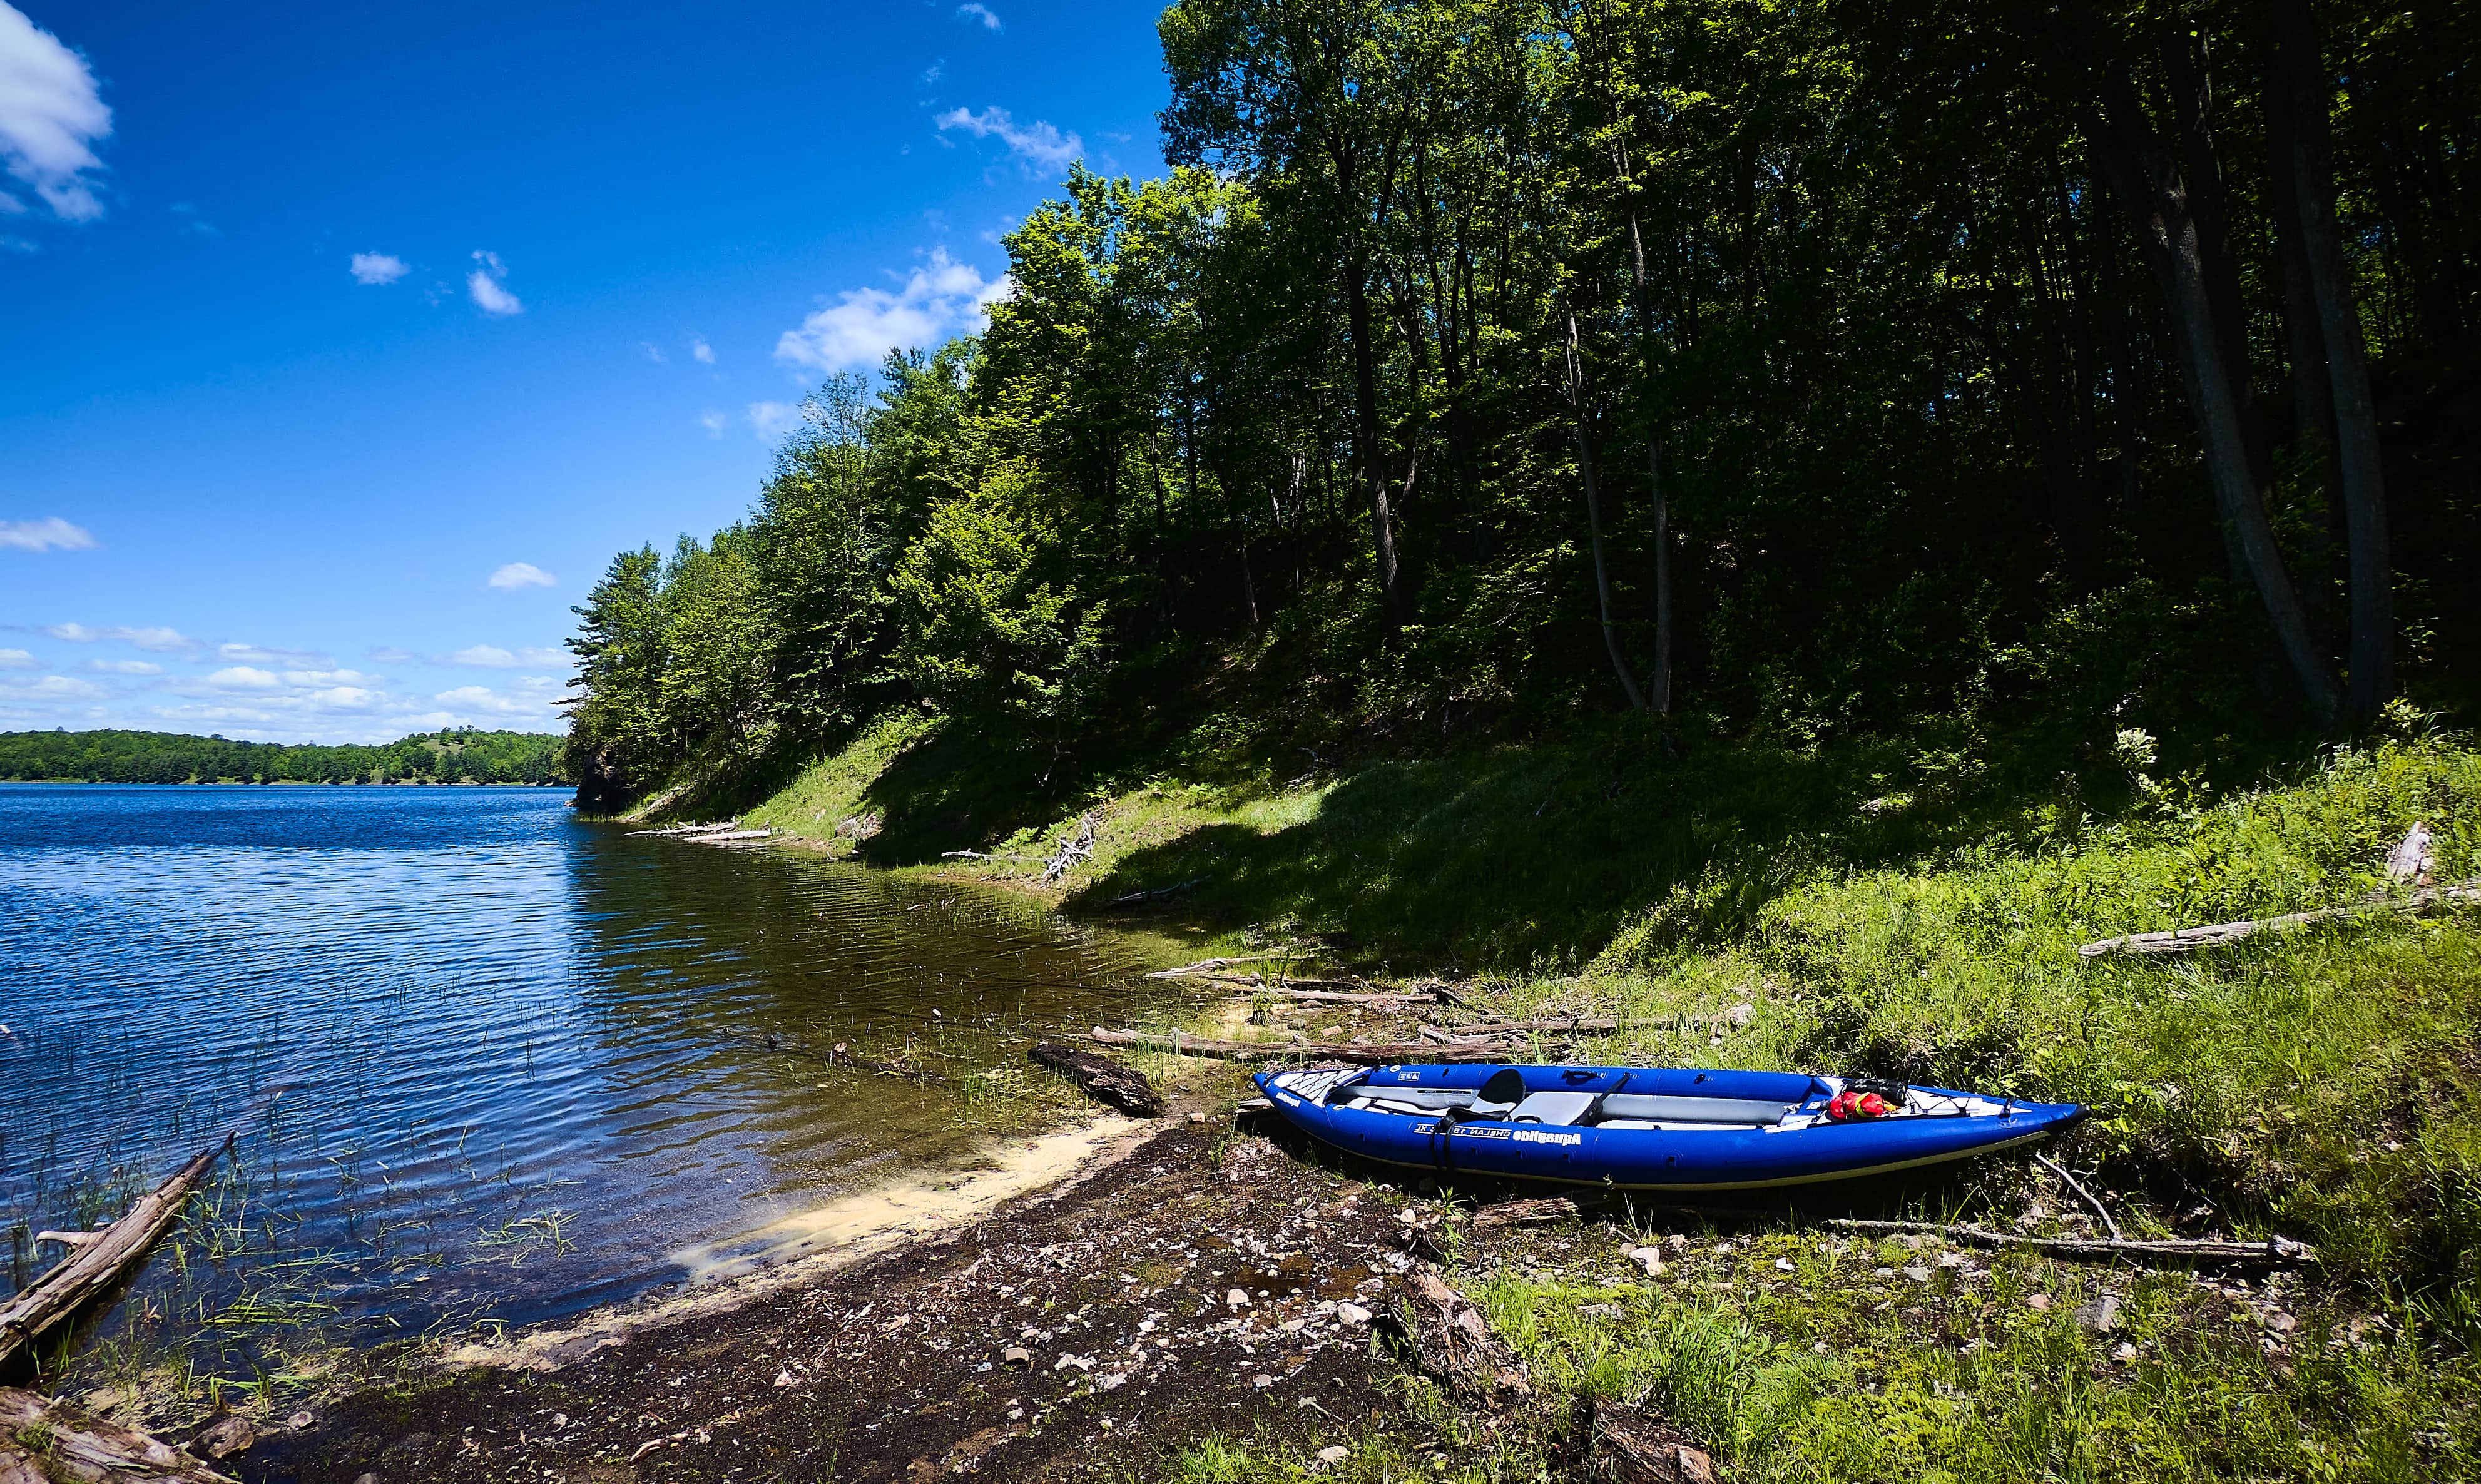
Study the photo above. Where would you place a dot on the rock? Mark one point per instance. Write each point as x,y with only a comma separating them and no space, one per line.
2282,1323
785,1378
1953,1260
1016,1355
366,1478
1917,1273
1262,1380
1332,1456
1238,1298
299,1422
1650,1258
232,1435
1197,1118
1784,1266
1113,1382
2100,1315
2125,1353
1351,1314
1742,1014
1882,1272
1081,1361
2039,1303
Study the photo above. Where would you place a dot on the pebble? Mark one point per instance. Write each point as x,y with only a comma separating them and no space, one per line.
2039,1303
1262,1380
1917,1273
1784,1266
299,1422
2125,1353
1953,1260
1238,1298
785,1377
1650,1258
2100,1315
1016,1355
1334,1455
1352,1313
1882,1272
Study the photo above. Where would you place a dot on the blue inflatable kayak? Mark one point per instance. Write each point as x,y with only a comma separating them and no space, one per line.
1649,1128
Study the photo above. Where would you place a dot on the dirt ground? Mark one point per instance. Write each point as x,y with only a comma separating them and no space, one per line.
1208,1283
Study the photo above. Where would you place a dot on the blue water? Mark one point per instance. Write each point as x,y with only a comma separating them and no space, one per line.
517,1062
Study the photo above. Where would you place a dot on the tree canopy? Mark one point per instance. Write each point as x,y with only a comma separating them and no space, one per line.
1764,366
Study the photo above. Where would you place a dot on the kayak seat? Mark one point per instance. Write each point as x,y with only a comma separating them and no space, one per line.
1561,1107
1680,1107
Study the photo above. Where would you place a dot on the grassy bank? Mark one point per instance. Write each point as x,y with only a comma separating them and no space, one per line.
1895,913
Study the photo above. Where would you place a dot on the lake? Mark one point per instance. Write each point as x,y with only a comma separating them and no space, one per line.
528,1064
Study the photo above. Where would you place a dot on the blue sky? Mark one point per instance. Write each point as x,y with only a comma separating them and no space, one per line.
340,349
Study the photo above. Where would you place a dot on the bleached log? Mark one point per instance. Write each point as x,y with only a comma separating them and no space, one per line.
1181,1044
1210,965
43,1442
2188,940
96,1264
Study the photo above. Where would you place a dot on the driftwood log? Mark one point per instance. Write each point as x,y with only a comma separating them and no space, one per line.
2188,940
94,1266
2273,1252
43,1441
1448,1341
1104,1080
1206,965
1181,1044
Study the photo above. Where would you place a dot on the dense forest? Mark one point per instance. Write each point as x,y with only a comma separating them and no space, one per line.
2030,377
459,756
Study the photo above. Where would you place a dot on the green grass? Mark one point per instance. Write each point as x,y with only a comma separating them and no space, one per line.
1906,912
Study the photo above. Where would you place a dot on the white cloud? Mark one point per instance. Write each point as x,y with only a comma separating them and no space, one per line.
484,698
653,353
124,667
53,688
160,641
488,656
482,284
942,297
375,268
773,418
389,654
934,71
516,575
244,677
328,678
20,660
51,114
1041,149
50,534
261,654
715,423
973,10
700,352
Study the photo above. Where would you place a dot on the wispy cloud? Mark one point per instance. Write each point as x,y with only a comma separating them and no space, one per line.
653,353
261,654
123,667
20,660
773,418
483,286
51,115
491,657
518,575
715,423
940,299
700,352
376,267
51,687
972,9
160,641
51,534
934,71
244,677
1040,147
390,654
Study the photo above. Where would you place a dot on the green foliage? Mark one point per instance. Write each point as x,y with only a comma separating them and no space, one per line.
456,756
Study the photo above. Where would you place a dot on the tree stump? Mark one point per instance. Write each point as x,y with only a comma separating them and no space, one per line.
1104,1080
1450,1343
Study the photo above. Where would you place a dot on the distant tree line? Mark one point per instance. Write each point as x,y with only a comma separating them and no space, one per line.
458,756
1772,367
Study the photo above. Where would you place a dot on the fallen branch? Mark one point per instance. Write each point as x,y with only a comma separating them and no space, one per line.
2061,1171
1210,965
93,1266
2273,1252
1073,848
43,1441
1104,1080
1450,1341
2188,940
1181,1044
976,855
1155,894
1589,1024
723,836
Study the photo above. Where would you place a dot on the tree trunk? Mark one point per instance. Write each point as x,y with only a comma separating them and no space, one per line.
2146,180
2371,654
1660,697
1369,452
1594,519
